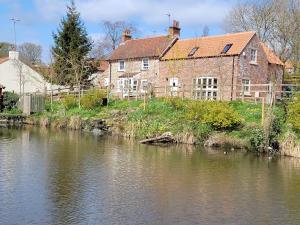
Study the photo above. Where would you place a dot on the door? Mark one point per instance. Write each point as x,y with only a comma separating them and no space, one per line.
174,83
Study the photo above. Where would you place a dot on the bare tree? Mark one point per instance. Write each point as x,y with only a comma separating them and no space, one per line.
113,32
205,31
276,22
31,52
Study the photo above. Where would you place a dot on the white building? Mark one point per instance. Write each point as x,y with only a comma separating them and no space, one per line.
18,77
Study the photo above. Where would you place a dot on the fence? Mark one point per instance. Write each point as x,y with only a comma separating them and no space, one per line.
247,92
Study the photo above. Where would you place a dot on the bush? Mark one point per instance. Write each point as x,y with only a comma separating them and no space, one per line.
219,115
294,113
69,102
93,98
10,100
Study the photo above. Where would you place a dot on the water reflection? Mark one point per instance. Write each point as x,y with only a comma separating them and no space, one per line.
54,177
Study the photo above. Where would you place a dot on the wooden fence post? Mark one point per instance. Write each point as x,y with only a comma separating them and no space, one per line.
263,111
243,93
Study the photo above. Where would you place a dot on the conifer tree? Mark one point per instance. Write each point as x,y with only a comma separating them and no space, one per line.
70,50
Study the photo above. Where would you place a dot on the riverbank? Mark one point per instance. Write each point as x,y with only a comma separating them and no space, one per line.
215,124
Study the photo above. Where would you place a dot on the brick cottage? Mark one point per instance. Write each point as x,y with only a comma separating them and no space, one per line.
214,67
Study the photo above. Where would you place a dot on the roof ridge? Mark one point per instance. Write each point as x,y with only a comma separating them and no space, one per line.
218,35
152,37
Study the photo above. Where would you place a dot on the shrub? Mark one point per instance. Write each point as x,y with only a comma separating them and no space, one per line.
93,98
257,137
176,103
294,112
219,115
10,100
69,102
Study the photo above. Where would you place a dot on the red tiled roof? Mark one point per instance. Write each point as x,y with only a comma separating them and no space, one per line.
272,57
139,48
211,46
4,59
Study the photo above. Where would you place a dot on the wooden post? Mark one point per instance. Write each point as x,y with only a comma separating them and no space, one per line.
183,86
243,93
166,90
146,92
263,111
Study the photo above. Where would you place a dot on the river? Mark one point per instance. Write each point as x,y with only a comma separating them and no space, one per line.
60,177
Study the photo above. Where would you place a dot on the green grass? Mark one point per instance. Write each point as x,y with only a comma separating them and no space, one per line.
174,115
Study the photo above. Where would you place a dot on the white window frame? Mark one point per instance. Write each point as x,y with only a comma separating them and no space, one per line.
253,61
119,66
246,87
143,64
129,85
143,88
208,90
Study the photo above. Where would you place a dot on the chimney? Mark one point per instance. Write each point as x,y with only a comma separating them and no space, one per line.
13,55
174,31
126,36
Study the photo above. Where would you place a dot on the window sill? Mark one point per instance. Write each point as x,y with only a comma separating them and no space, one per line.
254,63
143,69
121,70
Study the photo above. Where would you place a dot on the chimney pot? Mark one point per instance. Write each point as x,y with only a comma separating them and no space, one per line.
174,31
126,36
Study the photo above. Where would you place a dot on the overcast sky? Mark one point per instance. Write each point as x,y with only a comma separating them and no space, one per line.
39,18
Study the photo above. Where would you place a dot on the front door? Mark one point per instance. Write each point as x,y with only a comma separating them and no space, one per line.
174,83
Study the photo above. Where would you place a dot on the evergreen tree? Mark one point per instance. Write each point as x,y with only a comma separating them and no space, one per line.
71,47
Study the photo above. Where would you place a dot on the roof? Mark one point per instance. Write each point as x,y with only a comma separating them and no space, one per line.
103,65
210,46
140,48
4,59
272,57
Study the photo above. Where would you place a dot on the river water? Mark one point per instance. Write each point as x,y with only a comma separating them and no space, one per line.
56,177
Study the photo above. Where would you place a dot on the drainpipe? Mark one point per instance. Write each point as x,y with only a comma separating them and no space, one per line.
232,77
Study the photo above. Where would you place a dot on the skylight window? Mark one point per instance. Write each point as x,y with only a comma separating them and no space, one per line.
193,51
226,48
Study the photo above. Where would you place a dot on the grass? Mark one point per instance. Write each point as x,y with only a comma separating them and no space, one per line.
173,115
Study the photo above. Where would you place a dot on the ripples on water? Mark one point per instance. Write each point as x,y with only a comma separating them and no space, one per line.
52,177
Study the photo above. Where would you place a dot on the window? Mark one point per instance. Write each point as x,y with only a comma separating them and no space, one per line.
122,65
205,88
253,55
246,86
127,86
226,48
193,51
145,64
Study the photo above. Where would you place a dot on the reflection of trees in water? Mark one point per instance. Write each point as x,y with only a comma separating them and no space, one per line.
114,179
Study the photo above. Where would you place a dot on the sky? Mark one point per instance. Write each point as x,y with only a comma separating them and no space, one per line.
40,18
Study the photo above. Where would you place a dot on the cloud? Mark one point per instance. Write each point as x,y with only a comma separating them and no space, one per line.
153,12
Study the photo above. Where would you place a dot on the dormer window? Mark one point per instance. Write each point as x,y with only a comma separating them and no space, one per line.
145,64
121,66
253,56
193,51
226,48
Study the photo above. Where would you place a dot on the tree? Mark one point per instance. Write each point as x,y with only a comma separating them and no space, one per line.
30,52
276,22
205,31
113,33
5,48
71,48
